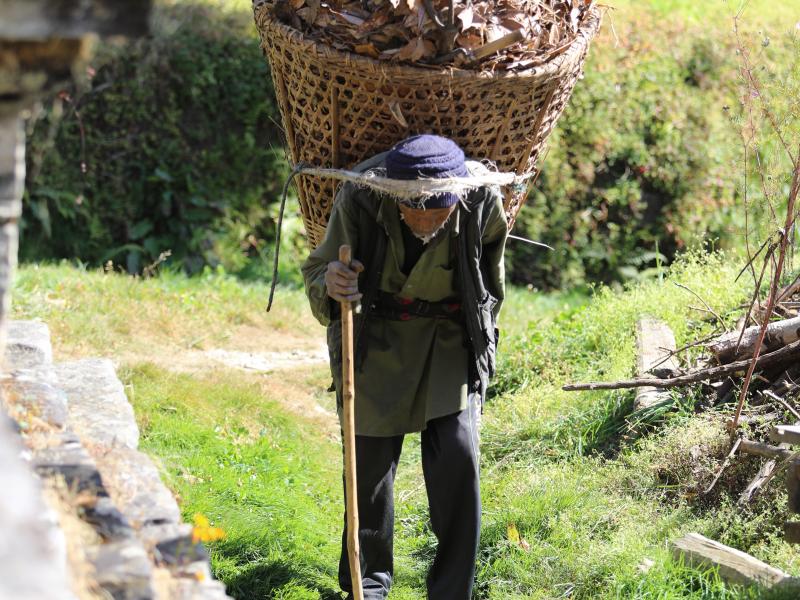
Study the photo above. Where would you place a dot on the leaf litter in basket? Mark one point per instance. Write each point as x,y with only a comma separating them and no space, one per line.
404,30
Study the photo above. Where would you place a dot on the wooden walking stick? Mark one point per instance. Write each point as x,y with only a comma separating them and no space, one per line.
348,399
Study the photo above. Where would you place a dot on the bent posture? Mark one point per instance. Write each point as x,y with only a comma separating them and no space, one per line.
430,279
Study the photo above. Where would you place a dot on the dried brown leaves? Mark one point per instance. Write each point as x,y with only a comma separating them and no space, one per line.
425,32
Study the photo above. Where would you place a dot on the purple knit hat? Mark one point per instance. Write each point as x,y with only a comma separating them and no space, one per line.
430,156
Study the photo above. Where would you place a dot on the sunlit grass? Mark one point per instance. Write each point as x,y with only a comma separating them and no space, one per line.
90,311
269,476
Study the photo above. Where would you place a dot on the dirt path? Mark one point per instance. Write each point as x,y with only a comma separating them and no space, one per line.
289,365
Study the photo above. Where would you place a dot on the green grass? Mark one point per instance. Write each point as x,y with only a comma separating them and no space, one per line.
597,342
593,497
270,480
712,12
591,501
90,311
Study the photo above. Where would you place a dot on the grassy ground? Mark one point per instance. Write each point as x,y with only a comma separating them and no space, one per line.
577,501
580,500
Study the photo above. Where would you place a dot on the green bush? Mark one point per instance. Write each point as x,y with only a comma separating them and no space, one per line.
174,146
638,168
180,140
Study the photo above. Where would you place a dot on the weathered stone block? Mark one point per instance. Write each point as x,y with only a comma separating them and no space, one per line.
153,535
31,566
123,570
38,399
9,239
107,519
134,483
68,459
12,166
172,545
191,589
28,345
98,410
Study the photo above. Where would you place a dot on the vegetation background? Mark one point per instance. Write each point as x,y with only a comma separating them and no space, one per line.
165,161
173,144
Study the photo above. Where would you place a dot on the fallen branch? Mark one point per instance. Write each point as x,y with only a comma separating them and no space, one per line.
764,450
710,374
708,308
725,464
733,565
786,405
758,482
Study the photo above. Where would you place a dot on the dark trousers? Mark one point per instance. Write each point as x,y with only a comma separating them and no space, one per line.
450,465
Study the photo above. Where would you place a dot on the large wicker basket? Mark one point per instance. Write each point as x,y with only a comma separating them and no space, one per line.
336,108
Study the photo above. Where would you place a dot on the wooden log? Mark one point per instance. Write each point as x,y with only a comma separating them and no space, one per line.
655,345
793,485
782,355
734,565
764,474
764,450
786,434
779,333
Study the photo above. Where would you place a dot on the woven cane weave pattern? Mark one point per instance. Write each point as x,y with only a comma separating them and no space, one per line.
339,109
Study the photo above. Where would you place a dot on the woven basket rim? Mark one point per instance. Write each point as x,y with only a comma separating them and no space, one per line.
555,65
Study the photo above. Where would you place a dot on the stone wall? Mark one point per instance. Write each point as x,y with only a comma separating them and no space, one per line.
83,513
76,434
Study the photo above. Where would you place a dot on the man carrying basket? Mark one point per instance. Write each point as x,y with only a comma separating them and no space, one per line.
429,274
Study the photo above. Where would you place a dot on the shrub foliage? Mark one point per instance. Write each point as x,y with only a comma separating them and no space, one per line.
181,148
173,146
638,167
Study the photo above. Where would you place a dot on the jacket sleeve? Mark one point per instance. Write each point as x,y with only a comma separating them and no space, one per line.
342,229
493,240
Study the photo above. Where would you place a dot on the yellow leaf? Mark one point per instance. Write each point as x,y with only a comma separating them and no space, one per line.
513,533
515,538
367,50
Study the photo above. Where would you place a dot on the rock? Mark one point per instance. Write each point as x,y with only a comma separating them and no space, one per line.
123,570
134,483
107,519
172,545
36,398
98,410
31,566
28,345
198,570
192,589
655,345
70,460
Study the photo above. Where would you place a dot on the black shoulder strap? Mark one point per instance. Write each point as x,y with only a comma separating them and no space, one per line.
372,252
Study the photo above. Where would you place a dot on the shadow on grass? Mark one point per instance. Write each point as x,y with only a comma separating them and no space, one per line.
261,580
612,425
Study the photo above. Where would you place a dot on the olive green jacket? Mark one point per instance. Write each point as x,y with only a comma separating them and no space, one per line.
408,371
